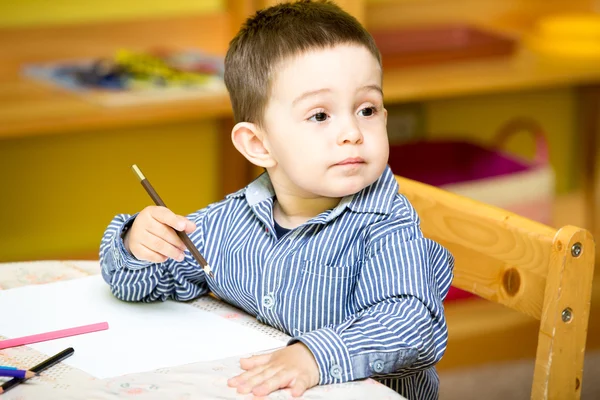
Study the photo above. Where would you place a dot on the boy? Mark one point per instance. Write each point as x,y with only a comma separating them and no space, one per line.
321,245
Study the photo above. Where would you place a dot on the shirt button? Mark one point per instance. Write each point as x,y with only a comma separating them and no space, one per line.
377,366
336,371
268,301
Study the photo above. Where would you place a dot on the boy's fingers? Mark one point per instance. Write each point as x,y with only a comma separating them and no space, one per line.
141,252
243,377
190,226
166,233
168,217
258,379
280,380
160,246
254,361
299,387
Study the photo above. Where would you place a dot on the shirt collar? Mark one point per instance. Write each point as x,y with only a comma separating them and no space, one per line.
257,191
376,198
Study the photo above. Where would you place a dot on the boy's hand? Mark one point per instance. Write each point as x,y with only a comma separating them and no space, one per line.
293,367
152,238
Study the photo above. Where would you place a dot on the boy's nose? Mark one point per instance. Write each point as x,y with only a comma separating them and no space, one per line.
350,134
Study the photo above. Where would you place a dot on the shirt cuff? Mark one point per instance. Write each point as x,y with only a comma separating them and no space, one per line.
121,256
331,355
382,363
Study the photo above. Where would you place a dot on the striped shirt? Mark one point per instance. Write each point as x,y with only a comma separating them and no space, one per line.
359,285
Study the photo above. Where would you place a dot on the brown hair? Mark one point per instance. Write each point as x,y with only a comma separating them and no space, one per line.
276,33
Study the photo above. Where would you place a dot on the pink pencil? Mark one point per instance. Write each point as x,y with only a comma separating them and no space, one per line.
42,337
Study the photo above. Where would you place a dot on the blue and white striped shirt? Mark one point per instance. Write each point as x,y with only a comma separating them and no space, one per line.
359,285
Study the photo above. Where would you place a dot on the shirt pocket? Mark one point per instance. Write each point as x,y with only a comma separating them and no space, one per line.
326,293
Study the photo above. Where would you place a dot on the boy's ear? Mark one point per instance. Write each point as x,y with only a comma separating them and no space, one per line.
249,140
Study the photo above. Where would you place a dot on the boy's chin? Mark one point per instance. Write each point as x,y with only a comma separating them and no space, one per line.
343,189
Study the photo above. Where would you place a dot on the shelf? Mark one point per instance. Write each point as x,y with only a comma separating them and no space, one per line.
32,108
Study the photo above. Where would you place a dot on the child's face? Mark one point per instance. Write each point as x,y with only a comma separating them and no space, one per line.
325,123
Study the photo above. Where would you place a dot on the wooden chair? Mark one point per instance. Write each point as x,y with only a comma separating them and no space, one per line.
532,268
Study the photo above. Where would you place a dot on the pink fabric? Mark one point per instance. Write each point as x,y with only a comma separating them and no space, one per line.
441,163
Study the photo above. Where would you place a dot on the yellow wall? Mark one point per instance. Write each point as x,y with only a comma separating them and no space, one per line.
60,192
51,12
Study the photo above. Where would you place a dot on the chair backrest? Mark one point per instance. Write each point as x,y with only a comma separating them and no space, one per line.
527,266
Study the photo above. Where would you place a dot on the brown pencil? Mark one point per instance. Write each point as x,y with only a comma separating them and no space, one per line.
182,235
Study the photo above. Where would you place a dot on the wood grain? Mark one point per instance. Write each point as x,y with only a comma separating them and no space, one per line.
562,337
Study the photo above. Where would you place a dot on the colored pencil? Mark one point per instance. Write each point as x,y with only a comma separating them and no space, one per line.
186,240
16,373
44,365
41,337
7,367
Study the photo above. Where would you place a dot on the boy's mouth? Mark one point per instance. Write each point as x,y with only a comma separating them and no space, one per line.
351,161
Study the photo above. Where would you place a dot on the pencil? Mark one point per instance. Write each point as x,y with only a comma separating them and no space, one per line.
40,337
182,235
44,365
16,373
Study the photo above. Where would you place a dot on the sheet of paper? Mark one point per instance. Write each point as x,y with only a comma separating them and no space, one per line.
141,336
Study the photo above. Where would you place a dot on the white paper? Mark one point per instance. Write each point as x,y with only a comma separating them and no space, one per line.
141,336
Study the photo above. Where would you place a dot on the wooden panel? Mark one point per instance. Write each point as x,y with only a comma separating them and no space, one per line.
564,322
508,15
522,71
500,256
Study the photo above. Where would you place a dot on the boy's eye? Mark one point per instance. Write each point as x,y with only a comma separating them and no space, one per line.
367,112
319,117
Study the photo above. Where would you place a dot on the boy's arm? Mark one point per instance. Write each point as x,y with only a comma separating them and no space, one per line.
131,279
401,325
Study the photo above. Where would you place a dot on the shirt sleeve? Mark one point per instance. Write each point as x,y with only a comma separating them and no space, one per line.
131,279
401,326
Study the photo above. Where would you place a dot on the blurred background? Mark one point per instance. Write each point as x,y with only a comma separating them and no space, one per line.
496,99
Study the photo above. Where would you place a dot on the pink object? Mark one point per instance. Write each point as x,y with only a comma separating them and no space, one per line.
42,337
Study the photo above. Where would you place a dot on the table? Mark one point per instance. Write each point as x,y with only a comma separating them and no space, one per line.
205,380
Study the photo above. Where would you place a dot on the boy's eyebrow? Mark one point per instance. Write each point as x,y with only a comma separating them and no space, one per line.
367,88
311,93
